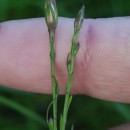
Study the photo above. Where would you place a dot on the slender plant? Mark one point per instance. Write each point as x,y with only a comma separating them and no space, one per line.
70,66
51,17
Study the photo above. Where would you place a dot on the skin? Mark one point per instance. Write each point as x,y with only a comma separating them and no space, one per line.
102,66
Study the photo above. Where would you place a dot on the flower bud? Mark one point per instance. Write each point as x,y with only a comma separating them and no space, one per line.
79,20
51,15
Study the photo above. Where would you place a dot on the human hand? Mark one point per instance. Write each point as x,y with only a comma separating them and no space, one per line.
102,67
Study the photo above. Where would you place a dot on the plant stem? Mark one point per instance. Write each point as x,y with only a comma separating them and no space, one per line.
70,79
65,111
54,87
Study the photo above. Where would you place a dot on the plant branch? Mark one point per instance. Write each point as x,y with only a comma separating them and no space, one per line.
54,81
70,66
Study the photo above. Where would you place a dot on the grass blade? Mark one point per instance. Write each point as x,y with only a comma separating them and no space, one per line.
21,109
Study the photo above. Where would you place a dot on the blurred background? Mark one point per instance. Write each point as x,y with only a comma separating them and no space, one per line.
22,110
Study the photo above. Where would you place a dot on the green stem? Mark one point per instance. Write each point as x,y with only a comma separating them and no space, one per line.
54,89
70,79
65,111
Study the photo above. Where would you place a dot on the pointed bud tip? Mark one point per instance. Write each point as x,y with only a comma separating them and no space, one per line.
79,20
51,14
82,11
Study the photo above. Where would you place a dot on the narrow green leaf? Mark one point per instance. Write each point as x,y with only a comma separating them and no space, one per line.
21,109
61,121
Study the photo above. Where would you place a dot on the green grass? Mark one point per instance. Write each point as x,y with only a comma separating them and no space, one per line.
21,110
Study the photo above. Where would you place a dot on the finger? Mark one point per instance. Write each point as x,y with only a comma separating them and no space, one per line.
102,66
122,127
24,54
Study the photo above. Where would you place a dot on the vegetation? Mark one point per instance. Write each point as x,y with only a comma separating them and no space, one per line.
23,110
